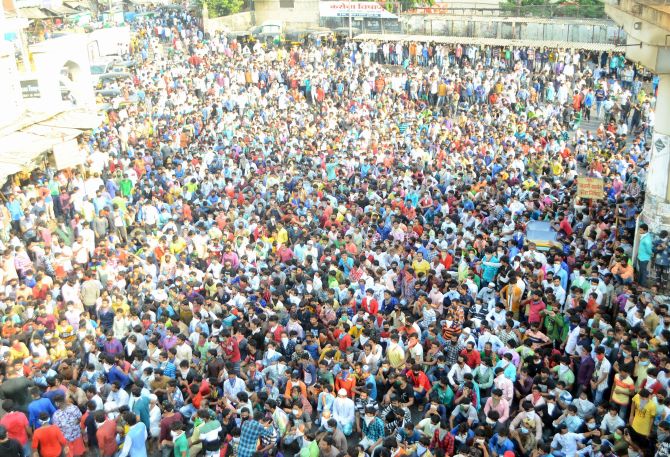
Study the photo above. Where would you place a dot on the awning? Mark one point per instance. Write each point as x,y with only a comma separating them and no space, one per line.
76,119
61,133
22,149
61,11
81,7
33,13
491,42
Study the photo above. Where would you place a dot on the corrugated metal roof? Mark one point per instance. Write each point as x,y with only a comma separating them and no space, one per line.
75,119
491,41
22,148
33,13
61,10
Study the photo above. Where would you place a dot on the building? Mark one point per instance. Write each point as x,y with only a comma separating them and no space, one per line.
648,27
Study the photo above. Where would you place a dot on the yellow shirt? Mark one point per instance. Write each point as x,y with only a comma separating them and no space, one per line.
421,267
396,356
644,416
282,236
622,389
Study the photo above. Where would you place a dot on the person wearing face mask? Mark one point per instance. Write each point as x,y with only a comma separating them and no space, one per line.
663,439
372,429
48,440
611,421
344,411
623,389
643,411
523,439
641,368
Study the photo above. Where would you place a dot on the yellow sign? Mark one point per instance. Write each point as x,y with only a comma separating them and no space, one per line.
590,188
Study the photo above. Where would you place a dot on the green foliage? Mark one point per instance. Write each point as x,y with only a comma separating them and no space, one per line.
562,8
219,8
409,4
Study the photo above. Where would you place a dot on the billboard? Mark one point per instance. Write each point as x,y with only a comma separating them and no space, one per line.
354,9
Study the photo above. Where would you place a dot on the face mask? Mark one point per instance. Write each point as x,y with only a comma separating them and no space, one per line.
420,449
284,340
107,366
523,430
368,419
617,436
175,435
624,354
650,381
591,425
645,363
295,412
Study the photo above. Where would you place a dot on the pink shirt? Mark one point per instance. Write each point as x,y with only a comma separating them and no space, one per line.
502,407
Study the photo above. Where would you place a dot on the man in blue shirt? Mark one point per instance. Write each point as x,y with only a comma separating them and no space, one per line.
644,253
38,406
500,443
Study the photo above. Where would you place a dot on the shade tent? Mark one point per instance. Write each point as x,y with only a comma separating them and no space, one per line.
24,149
33,13
76,119
491,42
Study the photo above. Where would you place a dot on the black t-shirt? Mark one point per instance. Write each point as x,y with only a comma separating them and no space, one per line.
11,448
545,386
404,394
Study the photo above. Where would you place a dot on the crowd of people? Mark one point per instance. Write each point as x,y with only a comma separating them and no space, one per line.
320,250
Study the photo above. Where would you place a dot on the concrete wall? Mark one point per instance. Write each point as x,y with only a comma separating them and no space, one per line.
234,22
10,90
49,58
302,14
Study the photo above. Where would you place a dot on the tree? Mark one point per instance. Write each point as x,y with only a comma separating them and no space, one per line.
549,8
219,8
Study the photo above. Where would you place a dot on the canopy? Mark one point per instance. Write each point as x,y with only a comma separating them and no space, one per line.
33,13
491,42
22,150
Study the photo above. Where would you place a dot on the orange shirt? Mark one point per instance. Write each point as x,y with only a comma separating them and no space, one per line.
49,441
346,384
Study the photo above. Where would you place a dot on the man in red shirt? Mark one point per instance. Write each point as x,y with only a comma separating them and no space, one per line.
48,440
232,350
369,304
472,357
106,434
420,383
16,424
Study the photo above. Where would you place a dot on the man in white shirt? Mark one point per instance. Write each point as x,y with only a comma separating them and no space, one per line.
344,412
457,372
505,384
567,442
232,386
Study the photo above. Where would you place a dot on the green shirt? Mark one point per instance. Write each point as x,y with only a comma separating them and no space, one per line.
126,187
181,446
311,450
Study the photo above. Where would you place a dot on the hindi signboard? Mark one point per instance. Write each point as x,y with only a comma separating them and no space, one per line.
588,187
354,9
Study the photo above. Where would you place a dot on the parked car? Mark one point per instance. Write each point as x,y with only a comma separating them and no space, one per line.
543,235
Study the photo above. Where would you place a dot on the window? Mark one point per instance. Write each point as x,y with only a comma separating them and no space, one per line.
286,3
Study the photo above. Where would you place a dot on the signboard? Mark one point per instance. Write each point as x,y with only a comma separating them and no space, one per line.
590,188
30,88
354,9
657,177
